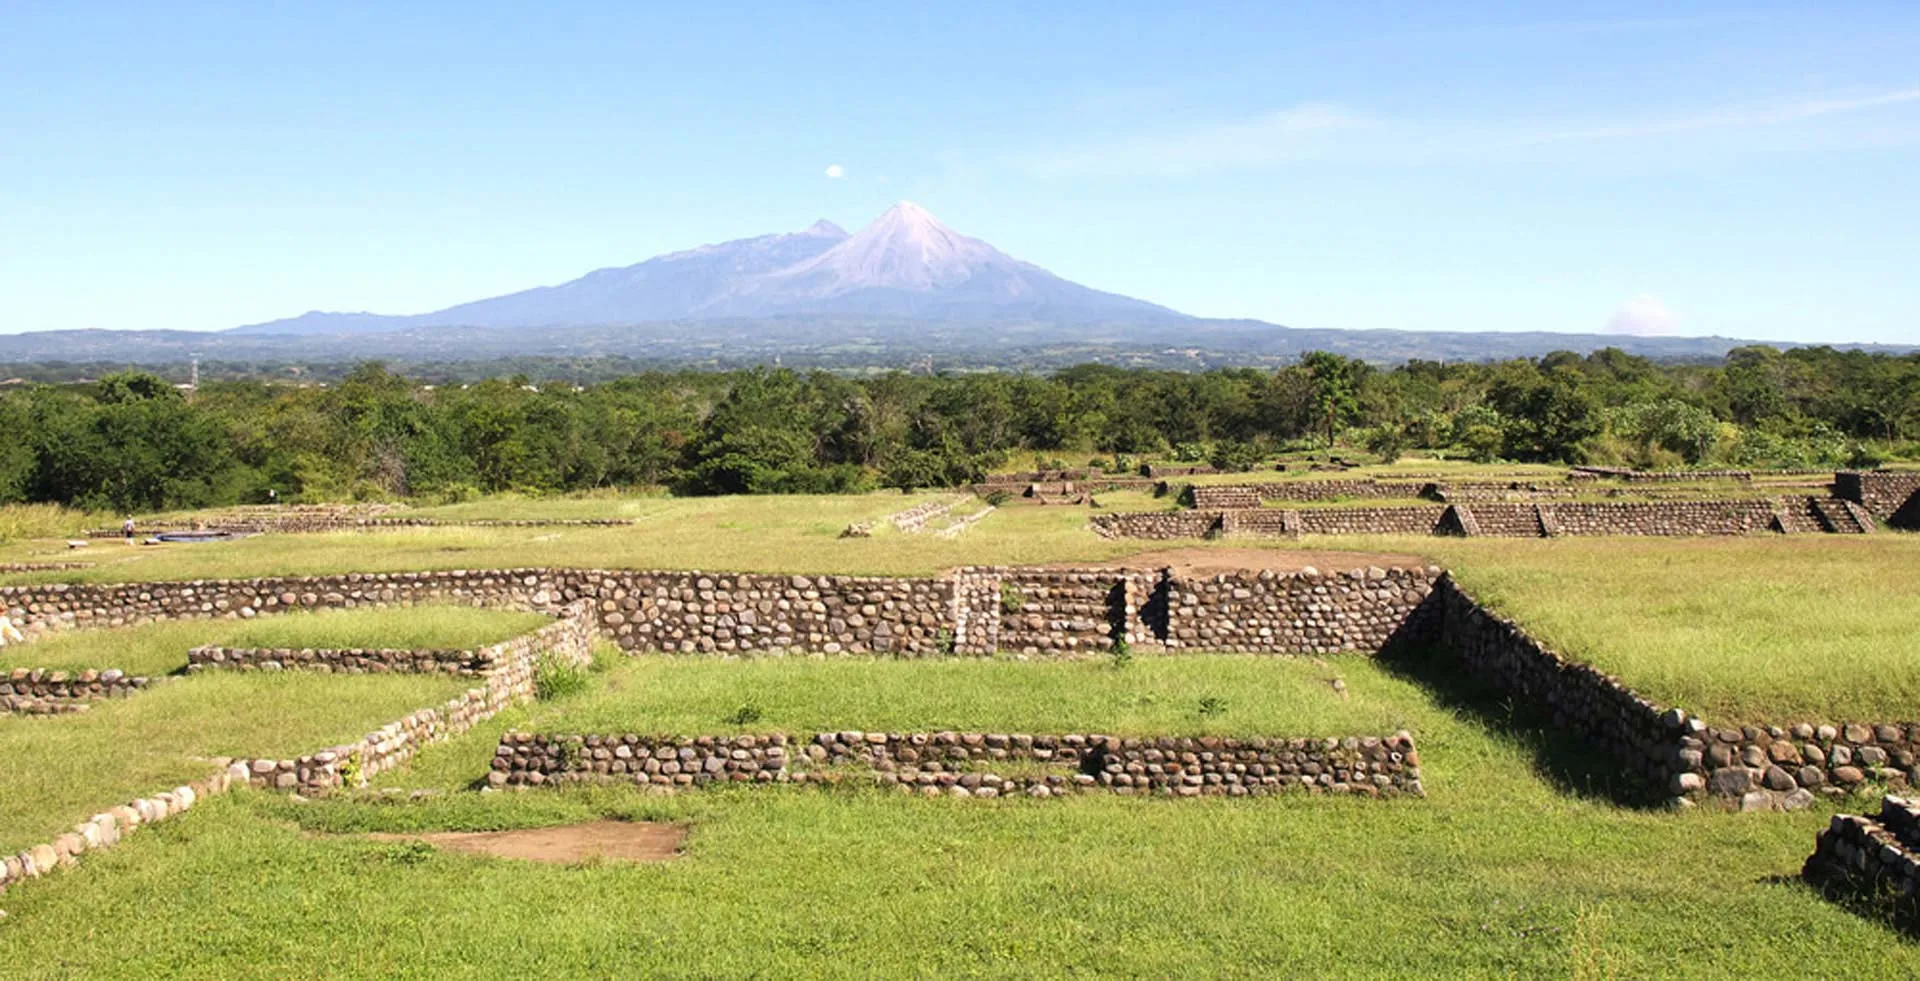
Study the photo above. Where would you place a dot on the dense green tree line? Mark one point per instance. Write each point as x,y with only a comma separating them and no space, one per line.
133,442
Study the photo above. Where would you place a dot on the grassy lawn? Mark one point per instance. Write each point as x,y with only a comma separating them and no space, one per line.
161,648
1506,869
56,771
1808,628
774,534
1150,696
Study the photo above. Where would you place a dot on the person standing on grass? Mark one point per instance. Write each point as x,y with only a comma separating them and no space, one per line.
126,529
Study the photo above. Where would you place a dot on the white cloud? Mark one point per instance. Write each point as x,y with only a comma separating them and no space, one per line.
1643,316
1323,132
836,171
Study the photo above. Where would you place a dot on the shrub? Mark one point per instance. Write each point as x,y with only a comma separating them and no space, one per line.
745,715
999,497
1212,705
1386,442
554,678
1864,457
1121,652
1010,599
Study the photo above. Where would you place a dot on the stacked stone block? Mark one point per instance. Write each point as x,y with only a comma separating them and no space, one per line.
964,763
567,641
1874,861
41,691
1890,496
1305,612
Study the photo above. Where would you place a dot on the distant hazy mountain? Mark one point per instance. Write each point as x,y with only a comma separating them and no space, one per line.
904,264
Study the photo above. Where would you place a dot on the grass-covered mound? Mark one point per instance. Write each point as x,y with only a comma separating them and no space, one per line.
1779,629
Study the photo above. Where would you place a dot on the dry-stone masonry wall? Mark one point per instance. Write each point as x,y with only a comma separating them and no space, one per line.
1301,612
1890,496
1510,519
510,679
1160,525
107,828
963,763
39,691
1874,861
1757,767
914,519
1644,738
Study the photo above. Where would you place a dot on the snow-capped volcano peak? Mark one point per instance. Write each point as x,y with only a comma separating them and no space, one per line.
905,248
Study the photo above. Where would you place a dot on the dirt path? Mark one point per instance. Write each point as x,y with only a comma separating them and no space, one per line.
627,841
1188,562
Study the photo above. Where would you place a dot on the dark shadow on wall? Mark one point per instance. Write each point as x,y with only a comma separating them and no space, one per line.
1907,517
1560,757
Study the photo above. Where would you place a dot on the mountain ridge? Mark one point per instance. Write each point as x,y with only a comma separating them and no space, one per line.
903,263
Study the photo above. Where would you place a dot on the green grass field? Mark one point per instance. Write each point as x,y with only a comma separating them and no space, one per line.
58,770
1520,862
1251,695
1507,869
54,771
1761,628
1780,630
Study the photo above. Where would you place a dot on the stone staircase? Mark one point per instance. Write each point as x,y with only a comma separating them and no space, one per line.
1839,517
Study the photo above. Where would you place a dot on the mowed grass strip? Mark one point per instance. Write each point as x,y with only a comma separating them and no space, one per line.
161,648
58,770
1240,695
1497,873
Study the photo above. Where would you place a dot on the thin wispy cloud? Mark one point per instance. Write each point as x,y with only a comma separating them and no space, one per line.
1274,138
1735,117
1331,132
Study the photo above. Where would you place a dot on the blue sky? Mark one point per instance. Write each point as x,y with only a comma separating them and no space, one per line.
1749,170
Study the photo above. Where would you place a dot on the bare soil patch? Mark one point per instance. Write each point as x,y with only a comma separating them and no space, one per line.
626,841
1191,562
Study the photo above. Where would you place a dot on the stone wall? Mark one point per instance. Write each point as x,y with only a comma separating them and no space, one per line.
357,660
1419,520
1330,490
1675,518
515,662
963,763
1224,497
1301,612
107,828
1664,518
1503,520
1890,496
1156,525
914,519
1059,611
1645,739
676,611
266,521
40,691
1874,862
1756,767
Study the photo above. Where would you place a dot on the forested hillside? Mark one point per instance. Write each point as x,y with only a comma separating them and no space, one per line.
134,442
